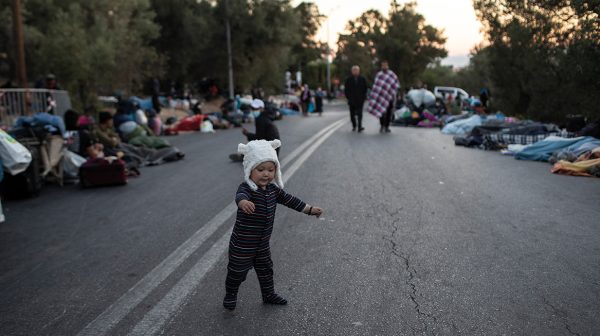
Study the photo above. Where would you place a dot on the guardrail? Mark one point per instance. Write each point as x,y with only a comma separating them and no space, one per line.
23,102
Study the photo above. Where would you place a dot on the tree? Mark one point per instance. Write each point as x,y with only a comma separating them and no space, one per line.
403,39
185,33
359,46
543,56
99,46
437,74
92,46
475,76
307,49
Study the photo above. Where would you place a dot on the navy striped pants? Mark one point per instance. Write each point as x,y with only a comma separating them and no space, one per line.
241,263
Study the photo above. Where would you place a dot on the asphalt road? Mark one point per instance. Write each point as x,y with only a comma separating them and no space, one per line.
419,237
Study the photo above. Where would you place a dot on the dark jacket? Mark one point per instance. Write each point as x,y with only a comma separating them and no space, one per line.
355,90
265,129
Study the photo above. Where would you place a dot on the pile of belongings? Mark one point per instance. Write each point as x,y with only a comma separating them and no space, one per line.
570,156
405,117
421,110
189,123
463,125
497,132
420,98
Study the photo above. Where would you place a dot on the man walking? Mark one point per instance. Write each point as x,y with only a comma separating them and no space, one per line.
383,96
355,89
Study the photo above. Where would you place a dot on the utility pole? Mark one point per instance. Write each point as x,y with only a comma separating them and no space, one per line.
329,49
19,42
229,56
328,61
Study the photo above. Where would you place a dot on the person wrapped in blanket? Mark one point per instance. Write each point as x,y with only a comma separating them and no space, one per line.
142,149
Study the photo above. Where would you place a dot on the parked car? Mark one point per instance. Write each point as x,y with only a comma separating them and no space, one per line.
444,91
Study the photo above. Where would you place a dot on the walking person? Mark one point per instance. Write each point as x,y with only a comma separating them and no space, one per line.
319,95
305,98
383,96
355,89
256,199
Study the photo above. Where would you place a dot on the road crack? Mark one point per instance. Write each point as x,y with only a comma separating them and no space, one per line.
562,314
409,272
409,269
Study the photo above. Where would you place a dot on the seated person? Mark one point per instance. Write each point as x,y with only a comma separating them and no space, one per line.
230,113
87,119
154,124
80,136
138,135
265,128
140,153
123,114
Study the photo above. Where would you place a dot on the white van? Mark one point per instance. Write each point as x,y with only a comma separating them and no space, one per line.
444,91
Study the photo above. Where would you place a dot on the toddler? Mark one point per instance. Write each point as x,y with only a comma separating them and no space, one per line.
256,199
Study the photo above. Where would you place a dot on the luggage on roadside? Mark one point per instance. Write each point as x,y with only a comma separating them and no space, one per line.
102,172
15,157
191,123
25,184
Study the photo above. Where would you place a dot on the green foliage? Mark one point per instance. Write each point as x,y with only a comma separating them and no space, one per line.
315,74
184,37
307,49
543,56
100,46
438,75
266,35
403,39
91,46
475,76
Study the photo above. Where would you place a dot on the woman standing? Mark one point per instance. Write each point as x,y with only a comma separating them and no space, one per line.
305,97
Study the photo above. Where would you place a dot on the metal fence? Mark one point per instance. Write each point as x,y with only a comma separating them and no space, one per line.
22,102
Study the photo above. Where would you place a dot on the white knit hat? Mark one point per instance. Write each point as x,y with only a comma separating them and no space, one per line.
259,151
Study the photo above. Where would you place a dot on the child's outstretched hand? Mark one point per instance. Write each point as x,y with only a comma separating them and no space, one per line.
314,211
246,206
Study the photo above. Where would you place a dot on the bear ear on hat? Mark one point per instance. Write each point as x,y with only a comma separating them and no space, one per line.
242,148
275,143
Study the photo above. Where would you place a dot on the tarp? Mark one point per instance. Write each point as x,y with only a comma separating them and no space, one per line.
542,150
421,97
462,126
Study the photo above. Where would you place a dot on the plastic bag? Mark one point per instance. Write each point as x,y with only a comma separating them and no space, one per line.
71,163
15,157
207,127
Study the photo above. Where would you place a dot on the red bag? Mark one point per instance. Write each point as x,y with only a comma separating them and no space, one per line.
191,123
101,172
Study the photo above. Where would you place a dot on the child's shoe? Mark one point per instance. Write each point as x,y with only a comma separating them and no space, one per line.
274,299
230,301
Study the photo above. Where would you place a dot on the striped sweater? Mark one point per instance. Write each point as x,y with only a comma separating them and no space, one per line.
253,231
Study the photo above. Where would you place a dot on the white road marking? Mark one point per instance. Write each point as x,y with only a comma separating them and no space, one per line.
108,319
162,312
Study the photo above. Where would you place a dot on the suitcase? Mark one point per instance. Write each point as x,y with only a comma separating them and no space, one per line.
26,184
101,172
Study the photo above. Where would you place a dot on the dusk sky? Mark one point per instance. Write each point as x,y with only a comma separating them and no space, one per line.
456,18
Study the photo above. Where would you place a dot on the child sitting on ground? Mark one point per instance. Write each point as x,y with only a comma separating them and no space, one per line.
256,200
